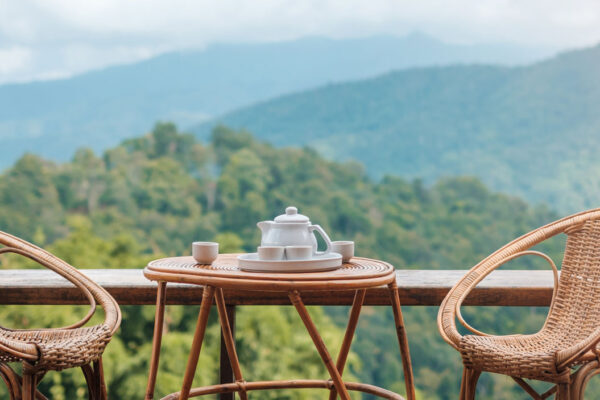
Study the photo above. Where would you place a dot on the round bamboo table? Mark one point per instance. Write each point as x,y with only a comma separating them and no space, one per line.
358,275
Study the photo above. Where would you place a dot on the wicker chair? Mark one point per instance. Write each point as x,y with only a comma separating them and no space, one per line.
565,351
45,350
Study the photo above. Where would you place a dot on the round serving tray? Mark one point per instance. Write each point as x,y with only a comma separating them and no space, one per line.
318,263
226,272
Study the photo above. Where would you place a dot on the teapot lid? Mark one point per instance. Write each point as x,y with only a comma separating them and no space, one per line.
291,215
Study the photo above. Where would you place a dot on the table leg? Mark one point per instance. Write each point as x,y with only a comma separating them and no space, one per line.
229,342
319,344
192,363
359,298
161,296
402,341
225,369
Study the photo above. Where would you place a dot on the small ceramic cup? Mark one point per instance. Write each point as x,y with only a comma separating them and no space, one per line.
270,252
345,248
298,252
205,252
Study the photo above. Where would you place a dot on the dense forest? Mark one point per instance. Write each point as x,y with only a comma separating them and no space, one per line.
153,195
530,131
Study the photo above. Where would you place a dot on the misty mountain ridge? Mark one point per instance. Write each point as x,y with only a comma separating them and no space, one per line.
532,131
100,108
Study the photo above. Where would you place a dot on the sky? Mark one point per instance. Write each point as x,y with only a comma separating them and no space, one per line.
49,39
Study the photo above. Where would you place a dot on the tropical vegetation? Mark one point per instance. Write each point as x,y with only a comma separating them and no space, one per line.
152,196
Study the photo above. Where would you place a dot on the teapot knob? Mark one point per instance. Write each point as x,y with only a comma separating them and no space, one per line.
291,210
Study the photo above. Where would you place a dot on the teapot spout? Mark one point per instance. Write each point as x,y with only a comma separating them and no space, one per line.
264,226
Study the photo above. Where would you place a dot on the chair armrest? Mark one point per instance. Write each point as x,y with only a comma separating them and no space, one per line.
68,277
450,307
94,292
568,356
25,351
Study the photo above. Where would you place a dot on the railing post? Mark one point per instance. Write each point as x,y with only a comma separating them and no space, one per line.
225,370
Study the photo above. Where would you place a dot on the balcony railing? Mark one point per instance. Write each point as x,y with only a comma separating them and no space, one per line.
417,288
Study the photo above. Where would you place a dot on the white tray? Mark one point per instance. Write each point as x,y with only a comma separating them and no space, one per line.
325,262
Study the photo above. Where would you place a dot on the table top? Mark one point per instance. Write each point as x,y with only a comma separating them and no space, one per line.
225,273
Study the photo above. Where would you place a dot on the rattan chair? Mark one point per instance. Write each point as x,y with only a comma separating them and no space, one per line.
565,351
45,350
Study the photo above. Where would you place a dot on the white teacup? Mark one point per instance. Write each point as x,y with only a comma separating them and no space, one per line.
270,252
345,248
205,252
298,252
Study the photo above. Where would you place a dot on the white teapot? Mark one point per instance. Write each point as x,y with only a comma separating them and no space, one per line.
292,229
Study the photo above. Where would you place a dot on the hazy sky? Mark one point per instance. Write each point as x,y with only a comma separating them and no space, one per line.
41,39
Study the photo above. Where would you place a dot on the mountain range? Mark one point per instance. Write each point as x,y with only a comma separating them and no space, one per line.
532,131
100,108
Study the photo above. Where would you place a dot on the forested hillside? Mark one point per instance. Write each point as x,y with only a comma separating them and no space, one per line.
152,196
529,131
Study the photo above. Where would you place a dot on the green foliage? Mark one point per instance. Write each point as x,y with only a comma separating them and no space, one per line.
530,131
229,242
273,344
152,196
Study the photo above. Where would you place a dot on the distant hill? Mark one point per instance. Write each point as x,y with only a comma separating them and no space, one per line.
100,108
532,131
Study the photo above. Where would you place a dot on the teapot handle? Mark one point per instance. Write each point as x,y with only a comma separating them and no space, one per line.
324,236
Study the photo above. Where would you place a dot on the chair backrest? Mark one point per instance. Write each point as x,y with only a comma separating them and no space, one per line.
111,309
576,309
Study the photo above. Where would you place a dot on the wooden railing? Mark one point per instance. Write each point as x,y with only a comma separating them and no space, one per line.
417,288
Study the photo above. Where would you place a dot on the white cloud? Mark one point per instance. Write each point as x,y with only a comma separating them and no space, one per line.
13,59
196,23
94,33
81,56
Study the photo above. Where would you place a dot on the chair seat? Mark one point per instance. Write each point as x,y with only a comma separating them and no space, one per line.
527,356
61,348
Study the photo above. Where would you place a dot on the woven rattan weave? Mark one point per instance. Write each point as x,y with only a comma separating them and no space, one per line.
56,349
570,335
357,275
